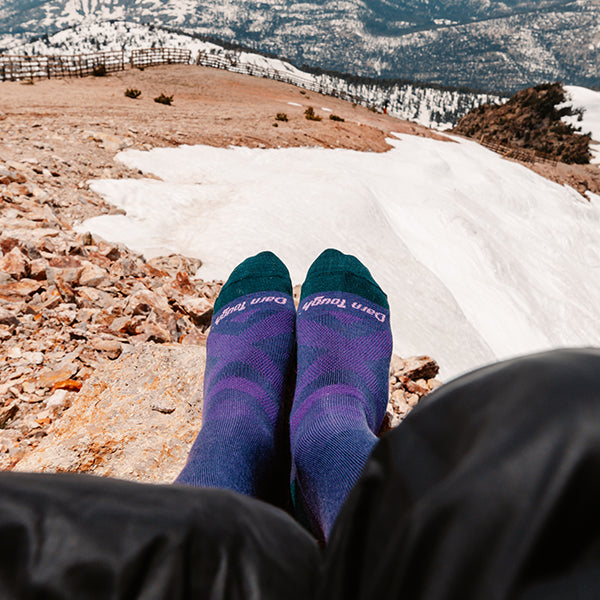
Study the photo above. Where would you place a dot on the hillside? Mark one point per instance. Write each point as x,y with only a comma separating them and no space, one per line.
431,106
78,313
534,119
495,46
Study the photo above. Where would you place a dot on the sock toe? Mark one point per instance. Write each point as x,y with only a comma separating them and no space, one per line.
264,272
335,271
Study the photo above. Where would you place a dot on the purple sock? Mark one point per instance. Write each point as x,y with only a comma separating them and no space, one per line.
344,348
243,445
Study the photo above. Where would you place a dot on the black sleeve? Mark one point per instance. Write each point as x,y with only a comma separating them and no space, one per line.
490,490
81,537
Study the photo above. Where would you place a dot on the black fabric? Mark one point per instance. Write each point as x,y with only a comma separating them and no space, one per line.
81,537
490,490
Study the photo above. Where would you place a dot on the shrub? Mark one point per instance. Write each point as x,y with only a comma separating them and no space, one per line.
333,117
99,71
309,114
133,93
281,117
164,99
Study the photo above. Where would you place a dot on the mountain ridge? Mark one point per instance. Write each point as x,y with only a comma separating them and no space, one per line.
501,47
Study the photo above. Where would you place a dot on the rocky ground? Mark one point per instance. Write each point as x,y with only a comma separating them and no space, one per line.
101,351
87,326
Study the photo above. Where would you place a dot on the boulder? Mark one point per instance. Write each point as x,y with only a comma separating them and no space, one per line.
15,263
135,418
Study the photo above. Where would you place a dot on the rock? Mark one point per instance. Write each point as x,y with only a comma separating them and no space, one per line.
166,408
155,333
200,310
127,325
51,378
8,243
92,275
112,348
112,428
7,176
5,278
415,388
19,289
396,364
194,338
433,384
69,384
144,301
416,367
15,263
8,414
63,268
8,318
34,358
85,239
57,400
175,263
412,400
37,269
108,251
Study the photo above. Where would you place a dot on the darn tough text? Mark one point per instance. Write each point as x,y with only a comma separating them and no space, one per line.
241,306
341,303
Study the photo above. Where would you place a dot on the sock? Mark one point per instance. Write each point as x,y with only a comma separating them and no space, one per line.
243,444
344,348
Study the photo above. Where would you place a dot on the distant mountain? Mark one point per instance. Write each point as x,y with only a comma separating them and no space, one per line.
476,43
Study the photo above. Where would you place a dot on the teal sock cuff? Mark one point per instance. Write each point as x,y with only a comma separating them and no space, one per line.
261,273
333,271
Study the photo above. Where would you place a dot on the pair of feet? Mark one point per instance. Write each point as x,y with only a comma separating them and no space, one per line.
293,397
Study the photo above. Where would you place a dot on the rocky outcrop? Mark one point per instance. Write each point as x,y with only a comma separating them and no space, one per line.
531,119
135,418
410,380
71,302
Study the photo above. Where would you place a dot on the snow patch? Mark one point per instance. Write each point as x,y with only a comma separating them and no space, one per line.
481,258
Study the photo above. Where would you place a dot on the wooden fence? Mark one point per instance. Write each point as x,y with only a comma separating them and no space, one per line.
308,82
151,57
16,68
522,154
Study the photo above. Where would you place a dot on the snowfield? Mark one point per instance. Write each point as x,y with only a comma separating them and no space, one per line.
481,258
590,123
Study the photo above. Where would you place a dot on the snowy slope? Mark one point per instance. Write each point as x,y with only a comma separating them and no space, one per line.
481,257
589,100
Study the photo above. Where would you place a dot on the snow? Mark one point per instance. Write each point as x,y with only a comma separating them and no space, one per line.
590,101
481,258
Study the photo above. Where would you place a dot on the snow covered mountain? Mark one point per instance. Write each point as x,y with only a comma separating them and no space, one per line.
476,43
